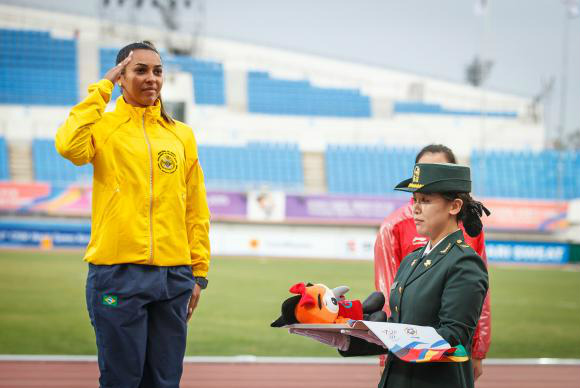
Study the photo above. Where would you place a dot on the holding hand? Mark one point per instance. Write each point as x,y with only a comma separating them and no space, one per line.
366,335
114,74
330,338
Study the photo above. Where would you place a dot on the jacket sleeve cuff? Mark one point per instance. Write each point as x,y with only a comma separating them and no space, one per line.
105,88
199,273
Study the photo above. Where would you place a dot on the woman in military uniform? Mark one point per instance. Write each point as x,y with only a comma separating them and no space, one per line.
441,285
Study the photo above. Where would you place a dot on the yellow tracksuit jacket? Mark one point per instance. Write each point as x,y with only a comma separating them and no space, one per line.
149,199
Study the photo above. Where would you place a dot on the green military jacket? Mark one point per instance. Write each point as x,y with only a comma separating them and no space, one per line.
444,290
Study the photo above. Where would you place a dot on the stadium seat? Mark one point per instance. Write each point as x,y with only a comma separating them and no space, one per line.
37,69
286,97
545,175
367,170
49,166
252,166
4,168
422,108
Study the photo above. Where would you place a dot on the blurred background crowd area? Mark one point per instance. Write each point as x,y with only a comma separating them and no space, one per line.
309,127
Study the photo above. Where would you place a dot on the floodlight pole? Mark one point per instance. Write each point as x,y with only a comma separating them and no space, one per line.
564,78
483,97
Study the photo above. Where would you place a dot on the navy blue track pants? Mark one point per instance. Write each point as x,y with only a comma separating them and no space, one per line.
139,316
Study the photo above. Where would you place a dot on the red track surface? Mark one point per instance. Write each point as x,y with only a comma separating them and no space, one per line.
43,374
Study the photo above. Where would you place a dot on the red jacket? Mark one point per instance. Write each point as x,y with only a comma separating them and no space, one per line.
396,239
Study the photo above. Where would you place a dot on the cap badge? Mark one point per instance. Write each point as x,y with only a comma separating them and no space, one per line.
415,181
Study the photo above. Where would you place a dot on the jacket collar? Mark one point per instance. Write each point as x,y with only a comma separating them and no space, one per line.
435,256
137,113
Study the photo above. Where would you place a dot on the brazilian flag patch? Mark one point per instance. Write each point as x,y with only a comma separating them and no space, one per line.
110,300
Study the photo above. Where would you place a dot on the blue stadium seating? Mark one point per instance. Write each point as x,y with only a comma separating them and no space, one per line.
252,166
208,77
356,170
367,170
409,107
276,96
526,174
4,168
255,165
36,69
545,175
49,166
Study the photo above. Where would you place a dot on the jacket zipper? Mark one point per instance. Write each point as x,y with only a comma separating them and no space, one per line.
150,191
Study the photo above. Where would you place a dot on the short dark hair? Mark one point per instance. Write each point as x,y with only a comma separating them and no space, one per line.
144,45
437,149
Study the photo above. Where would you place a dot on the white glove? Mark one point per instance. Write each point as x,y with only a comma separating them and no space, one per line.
366,335
330,338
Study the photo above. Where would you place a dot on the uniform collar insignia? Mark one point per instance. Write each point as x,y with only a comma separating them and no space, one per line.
446,248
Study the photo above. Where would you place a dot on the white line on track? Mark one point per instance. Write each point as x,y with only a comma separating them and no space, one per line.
249,359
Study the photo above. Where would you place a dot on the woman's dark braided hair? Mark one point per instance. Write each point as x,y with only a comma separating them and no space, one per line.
144,45
470,213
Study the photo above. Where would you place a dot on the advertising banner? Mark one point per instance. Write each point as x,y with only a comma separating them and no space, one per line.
277,206
227,205
15,196
44,235
293,241
527,252
285,241
227,239
335,209
523,215
75,200
266,206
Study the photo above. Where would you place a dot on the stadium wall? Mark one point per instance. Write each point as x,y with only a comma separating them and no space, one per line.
280,241
232,123
214,125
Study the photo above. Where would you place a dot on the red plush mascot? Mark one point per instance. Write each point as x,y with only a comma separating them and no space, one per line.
316,303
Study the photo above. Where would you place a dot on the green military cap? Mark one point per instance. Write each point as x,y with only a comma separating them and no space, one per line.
437,178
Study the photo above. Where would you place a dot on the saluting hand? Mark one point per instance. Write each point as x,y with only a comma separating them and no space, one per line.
114,73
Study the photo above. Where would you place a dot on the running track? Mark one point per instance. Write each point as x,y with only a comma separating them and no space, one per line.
276,374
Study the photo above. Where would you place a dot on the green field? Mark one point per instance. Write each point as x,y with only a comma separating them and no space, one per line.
536,312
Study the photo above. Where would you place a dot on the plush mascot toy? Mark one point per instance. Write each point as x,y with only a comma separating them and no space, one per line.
316,303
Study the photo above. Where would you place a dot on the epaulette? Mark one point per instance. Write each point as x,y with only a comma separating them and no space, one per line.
463,245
